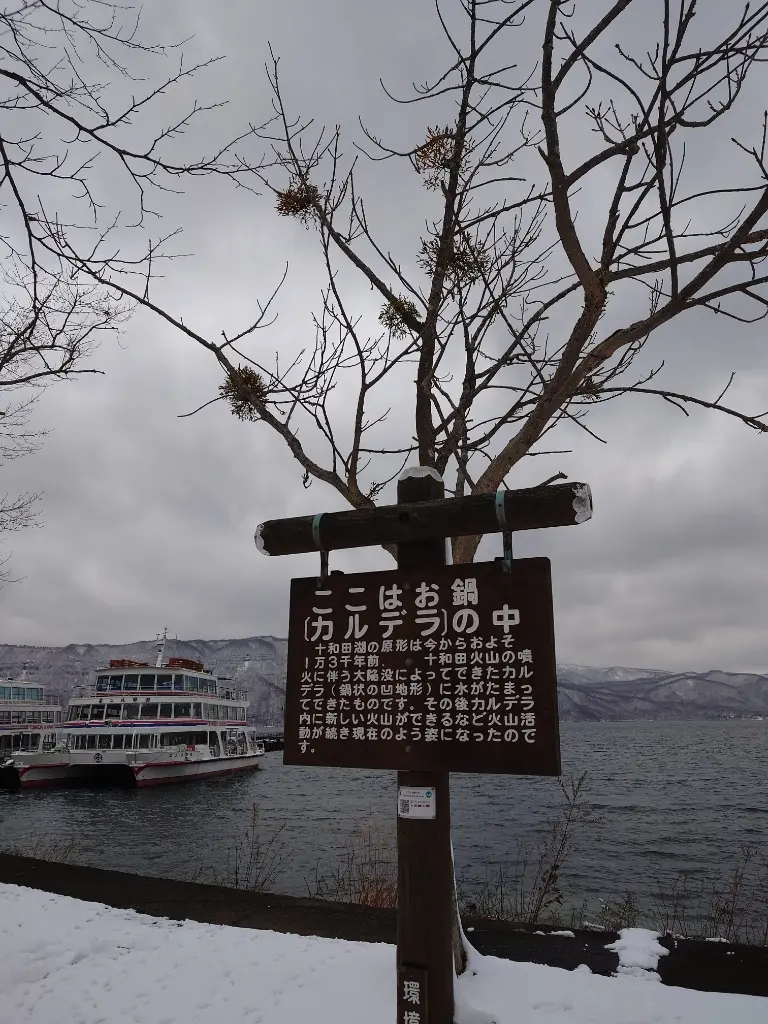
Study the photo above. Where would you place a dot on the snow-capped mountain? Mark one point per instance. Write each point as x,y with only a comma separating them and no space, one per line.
257,664
622,694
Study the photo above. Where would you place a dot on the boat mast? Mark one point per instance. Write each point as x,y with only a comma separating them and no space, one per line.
162,639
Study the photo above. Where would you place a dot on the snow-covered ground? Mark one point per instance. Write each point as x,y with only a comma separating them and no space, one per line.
84,963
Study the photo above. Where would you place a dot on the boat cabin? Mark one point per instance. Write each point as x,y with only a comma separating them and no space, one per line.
135,706
28,719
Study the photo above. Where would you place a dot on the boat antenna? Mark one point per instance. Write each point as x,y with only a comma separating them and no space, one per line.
162,639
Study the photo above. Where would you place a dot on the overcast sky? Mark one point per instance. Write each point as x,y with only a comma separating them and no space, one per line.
148,518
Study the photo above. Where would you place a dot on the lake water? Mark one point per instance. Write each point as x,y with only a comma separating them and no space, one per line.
672,797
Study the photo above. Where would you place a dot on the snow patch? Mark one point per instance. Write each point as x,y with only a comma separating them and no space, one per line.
582,502
419,472
639,952
259,538
62,959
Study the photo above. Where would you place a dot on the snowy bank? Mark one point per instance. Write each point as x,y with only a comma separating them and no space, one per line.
66,960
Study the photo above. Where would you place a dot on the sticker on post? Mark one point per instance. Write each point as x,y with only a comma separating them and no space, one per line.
415,802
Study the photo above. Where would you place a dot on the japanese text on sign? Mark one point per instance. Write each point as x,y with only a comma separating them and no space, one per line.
454,657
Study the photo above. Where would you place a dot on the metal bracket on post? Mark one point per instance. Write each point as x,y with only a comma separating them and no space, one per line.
506,533
323,578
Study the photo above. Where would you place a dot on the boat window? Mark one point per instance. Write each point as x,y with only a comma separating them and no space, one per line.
115,682
183,711
71,711
147,682
131,682
90,742
145,741
5,717
197,710
33,717
105,742
48,716
113,711
97,712
164,682
102,680
131,711
181,739
149,710
213,743
128,741
166,711
117,741
18,717
178,682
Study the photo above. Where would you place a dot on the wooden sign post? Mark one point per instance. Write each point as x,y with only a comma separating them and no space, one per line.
425,669
425,884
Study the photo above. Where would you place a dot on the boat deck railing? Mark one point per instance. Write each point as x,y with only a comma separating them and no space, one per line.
46,702
84,690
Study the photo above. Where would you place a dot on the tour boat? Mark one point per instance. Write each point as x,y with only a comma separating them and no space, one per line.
143,725
28,722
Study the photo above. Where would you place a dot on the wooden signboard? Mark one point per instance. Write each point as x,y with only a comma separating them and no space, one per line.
449,668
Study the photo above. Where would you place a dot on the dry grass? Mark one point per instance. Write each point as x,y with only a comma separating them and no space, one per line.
531,891
60,851
366,874
255,860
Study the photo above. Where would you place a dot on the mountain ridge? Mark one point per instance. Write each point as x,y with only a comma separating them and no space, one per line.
586,693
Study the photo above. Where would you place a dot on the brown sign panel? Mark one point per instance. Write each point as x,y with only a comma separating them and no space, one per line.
411,995
441,669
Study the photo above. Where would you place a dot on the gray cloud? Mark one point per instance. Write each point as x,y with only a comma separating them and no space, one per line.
149,518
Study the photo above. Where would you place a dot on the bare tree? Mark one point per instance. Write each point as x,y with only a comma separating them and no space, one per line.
566,223
82,149
514,315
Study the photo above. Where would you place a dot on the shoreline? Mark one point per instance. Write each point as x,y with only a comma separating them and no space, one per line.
694,964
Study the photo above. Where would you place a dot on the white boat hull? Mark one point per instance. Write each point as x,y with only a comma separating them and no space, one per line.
39,771
35,776
186,771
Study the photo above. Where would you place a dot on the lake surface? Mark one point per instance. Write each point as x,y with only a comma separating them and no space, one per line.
672,797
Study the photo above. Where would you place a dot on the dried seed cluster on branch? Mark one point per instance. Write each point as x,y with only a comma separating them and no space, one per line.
396,315
299,201
465,262
434,157
246,392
